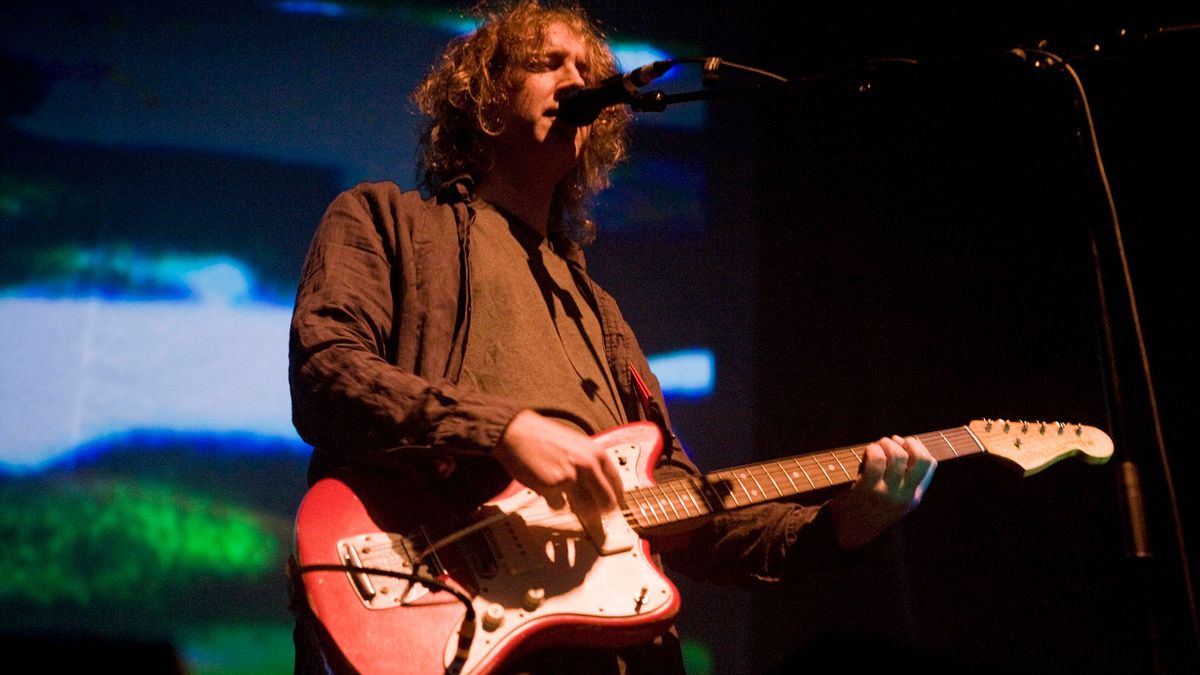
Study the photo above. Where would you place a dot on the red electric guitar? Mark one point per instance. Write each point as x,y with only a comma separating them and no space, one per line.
399,585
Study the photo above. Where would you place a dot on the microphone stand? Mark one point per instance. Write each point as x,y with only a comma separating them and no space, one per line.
1108,254
658,100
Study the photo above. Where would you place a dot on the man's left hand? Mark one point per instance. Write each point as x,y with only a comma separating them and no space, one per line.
893,478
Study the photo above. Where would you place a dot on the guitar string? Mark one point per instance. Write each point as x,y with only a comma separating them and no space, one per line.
468,530
668,493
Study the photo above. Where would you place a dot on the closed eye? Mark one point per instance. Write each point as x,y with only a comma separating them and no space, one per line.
555,59
547,61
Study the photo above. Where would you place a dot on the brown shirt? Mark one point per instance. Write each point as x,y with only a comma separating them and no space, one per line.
383,311
535,337
383,332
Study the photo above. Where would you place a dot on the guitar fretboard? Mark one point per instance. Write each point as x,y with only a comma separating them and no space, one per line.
682,499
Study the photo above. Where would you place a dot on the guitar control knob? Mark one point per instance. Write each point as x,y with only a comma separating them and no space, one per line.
493,617
533,598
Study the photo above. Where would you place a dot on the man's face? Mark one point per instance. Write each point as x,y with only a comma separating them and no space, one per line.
531,125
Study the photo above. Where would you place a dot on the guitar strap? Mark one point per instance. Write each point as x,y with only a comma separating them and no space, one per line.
652,410
457,193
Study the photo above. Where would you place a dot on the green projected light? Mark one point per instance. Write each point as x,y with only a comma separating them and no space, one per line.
120,543
697,657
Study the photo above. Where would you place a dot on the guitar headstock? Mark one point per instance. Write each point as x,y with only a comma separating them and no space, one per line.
1036,445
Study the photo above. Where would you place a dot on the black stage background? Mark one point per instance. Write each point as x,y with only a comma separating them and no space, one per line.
901,243
924,205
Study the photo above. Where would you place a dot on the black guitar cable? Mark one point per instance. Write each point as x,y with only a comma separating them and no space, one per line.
466,632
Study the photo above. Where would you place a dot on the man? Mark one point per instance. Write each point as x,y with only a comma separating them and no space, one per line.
457,340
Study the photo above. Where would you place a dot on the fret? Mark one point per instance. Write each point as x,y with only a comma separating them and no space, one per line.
796,461
690,490
965,433
964,437
778,492
674,494
858,454
700,487
822,468
755,494
653,512
975,439
720,488
936,444
948,444
734,494
762,495
795,490
656,500
665,503
671,503
651,516
680,494
842,466
637,500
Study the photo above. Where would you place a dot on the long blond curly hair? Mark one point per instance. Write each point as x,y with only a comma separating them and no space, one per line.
469,88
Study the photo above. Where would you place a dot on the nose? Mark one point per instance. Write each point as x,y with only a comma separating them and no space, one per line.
572,79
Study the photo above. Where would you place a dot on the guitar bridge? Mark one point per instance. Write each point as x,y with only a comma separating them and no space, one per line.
376,553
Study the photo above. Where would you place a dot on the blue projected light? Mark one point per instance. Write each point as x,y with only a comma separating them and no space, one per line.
125,341
82,369
457,25
88,368
220,281
452,23
335,10
635,55
126,273
184,346
689,373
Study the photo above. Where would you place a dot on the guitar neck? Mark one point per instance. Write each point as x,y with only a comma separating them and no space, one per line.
682,499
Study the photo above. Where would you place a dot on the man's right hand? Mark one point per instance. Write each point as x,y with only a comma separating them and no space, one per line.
559,463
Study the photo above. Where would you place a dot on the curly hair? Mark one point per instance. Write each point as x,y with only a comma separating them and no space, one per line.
467,92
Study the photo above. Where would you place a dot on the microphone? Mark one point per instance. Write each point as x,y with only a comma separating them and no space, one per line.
581,107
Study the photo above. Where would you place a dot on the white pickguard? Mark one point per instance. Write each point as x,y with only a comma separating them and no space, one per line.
543,551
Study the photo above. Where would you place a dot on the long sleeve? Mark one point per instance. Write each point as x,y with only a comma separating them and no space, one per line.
764,543
377,297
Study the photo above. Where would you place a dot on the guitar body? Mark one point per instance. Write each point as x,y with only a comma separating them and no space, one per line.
534,575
